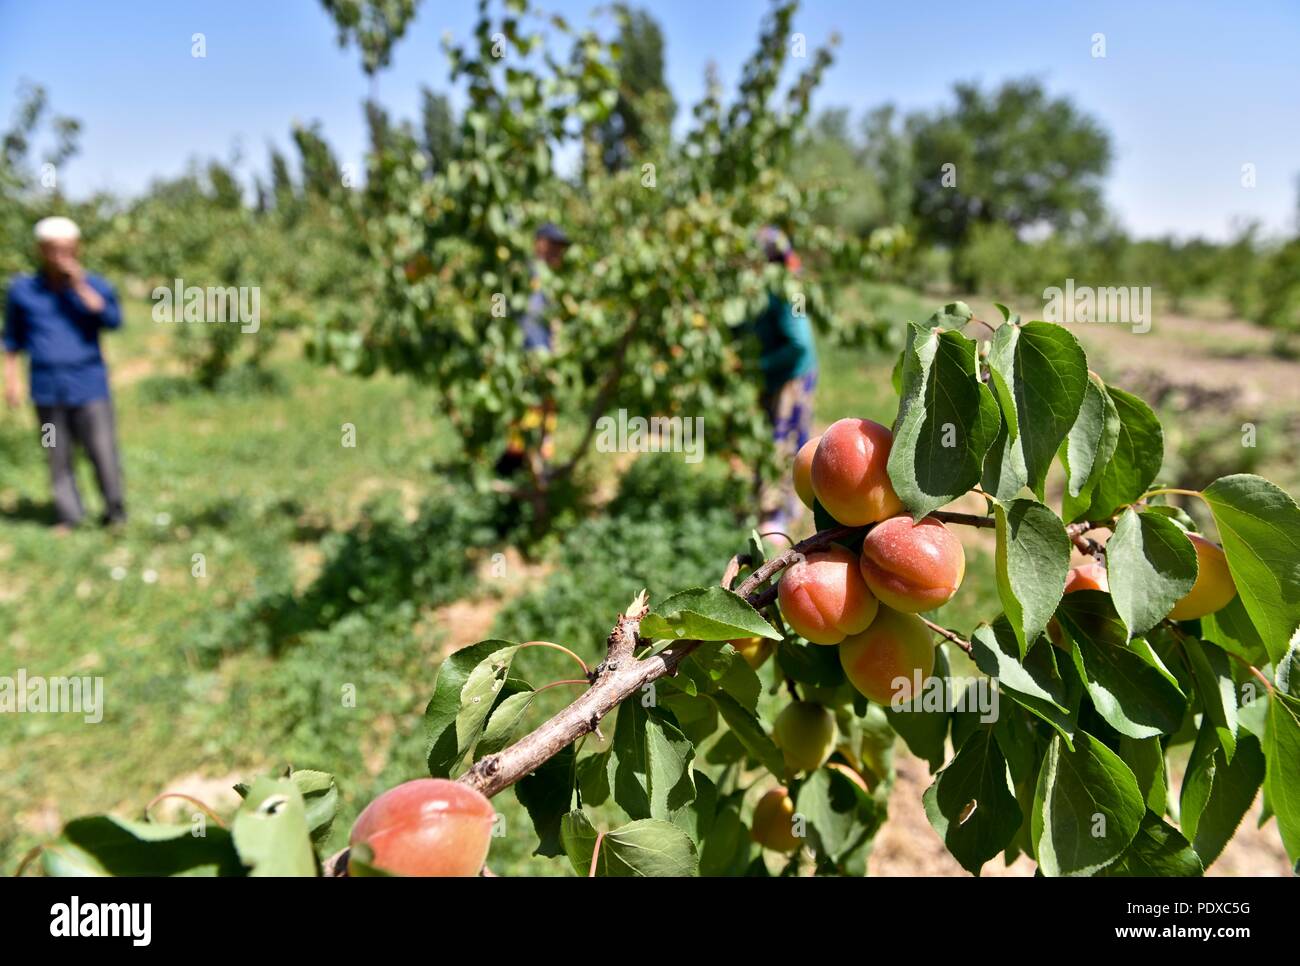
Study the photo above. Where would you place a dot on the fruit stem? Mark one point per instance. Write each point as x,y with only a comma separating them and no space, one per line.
961,642
560,647
189,798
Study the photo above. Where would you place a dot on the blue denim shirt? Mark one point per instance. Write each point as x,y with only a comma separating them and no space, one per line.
61,338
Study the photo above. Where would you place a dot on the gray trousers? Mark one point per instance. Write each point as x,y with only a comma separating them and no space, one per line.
92,426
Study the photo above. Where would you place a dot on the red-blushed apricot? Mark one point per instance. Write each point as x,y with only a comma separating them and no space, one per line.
803,471
896,646
805,733
850,475
1087,576
1214,587
427,827
912,566
773,823
824,598
755,650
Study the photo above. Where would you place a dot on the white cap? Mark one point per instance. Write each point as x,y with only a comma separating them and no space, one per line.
57,228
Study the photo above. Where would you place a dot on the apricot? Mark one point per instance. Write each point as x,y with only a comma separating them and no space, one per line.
805,733
427,827
1087,576
1214,586
824,598
912,566
773,823
896,646
849,472
803,471
755,650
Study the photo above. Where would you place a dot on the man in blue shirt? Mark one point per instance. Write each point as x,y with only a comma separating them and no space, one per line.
55,316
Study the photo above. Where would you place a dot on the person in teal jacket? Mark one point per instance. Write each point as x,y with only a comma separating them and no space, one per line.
788,360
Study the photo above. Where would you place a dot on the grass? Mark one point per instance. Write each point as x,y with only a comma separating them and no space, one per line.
322,570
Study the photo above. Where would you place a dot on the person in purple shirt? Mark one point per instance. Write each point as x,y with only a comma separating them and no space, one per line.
55,317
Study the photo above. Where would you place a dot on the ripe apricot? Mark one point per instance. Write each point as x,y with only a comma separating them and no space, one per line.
1087,576
824,598
849,472
912,566
1214,586
896,646
803,471
773,823
427,827
805,733
755,650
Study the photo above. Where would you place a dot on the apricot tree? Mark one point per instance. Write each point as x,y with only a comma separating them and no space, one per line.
1164,641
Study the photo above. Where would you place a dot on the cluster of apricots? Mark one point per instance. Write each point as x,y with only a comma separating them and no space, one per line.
867,603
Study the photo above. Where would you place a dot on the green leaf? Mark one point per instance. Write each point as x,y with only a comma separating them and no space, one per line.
1231,629
1135,697
720,667
1145,757
971,805
953,315
1259,525
1033,560
270,830
547,794
1088,448
727,847
1282,781
1139,453
706,614
644,848
814,664
448,719
923,722
507,725
946,421
1232,793
1198,779
320,797
1158,849
841,814
652,773
100,845
1217,688
1087,808
1035,683
1151,565
747,729
1039,374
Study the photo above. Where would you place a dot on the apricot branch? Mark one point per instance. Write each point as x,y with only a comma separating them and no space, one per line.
943,632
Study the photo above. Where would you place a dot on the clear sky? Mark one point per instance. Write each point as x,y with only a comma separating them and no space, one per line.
1189,90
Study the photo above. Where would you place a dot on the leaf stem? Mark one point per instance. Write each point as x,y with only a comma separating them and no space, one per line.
202,807
595,855
560,647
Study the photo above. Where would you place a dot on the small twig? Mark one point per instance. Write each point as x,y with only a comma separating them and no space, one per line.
965,519
556,684
961,642
28,859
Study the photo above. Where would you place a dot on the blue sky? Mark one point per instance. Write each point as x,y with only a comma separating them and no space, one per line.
1190,91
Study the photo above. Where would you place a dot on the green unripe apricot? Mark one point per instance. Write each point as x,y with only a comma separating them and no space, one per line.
805,733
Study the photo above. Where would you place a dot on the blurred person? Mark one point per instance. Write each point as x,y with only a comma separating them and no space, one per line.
55,317
538,424
788,361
